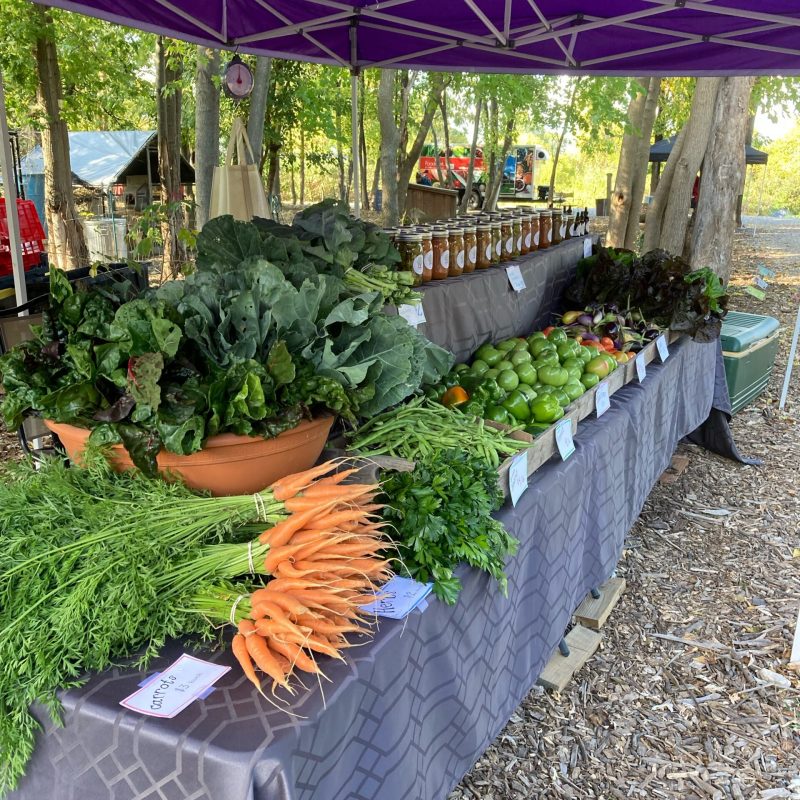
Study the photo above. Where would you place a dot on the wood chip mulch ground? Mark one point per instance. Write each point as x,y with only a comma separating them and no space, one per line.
690,695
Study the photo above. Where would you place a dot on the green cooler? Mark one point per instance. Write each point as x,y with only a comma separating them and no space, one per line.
749,346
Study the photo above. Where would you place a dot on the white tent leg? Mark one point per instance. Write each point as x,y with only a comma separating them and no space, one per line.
355,155
792,352
10,192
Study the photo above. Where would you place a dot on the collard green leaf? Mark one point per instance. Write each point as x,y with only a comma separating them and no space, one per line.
144,373
280,365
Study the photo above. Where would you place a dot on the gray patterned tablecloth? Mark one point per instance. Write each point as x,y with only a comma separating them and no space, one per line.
409,713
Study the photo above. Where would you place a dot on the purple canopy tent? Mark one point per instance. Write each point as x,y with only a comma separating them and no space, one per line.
609,37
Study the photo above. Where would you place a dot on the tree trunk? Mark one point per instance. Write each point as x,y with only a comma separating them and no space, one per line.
340,156
390,143
668,217
438,84
169,155
643,158
273,164
376,181
621,198
302,166
258,107
292,182
493,136
446,131
66,243
206,129
568,115
439,173
712,239
748,141
473,148
491,198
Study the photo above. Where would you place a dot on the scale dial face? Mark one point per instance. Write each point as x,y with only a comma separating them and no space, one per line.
238,79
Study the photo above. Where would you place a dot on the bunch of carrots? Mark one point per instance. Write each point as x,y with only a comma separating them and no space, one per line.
326,565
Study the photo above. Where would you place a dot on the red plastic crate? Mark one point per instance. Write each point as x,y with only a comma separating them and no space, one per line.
31,236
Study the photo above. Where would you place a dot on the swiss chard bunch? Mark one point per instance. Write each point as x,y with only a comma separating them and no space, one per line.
441,516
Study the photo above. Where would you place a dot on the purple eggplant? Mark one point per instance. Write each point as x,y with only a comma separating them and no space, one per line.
586,319
592,337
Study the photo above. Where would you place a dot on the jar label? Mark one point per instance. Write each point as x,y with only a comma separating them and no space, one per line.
417,265
460,259
488,252
473,254
519,243
528,240
536,238
499,248
428,259
563,231
509,245
445,259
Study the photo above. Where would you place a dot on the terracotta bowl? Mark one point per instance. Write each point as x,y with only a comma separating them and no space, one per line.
228,464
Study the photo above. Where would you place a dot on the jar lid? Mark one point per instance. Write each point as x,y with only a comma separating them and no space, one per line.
484,226
470,228
439,233
545,213
409,236
424,231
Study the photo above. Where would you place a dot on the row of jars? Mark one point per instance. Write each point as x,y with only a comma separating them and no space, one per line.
453,247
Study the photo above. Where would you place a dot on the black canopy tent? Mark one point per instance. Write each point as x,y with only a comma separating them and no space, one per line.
660,150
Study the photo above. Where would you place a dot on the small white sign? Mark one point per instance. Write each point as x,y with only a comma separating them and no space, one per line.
518,477
398,597
641,367
587,247
515,277
663,348
166,694
602,401
566,447
413,314
761,283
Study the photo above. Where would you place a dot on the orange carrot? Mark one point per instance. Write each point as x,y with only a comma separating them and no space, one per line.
239,647
281,533
294,652
291,484
271,627
278,554
280,599
246,627
337,477
266,662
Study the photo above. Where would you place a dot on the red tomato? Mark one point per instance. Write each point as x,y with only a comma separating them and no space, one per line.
547,330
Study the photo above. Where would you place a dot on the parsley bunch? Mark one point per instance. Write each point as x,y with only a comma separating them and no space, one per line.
441,513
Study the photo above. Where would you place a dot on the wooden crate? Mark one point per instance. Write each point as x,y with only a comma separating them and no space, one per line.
429,203
544,446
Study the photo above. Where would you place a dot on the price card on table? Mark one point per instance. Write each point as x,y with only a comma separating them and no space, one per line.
587,247
413,314
399,597
515,277
602,401
663,348
761,283
759,294
765,273
641,367
566,447
167,693
518,477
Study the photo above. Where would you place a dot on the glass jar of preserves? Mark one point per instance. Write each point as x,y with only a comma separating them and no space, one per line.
411,258
567,226
534,231
507,233
497,241
517,226
427,252
456,235
545,226
555,227
525,223
484,236
441,254
470,248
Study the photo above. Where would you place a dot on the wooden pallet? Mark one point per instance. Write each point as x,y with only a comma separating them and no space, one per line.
676,468
558,673
593,612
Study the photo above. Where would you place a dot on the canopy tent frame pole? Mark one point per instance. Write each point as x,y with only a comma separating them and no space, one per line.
790,364
10,191
355,154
